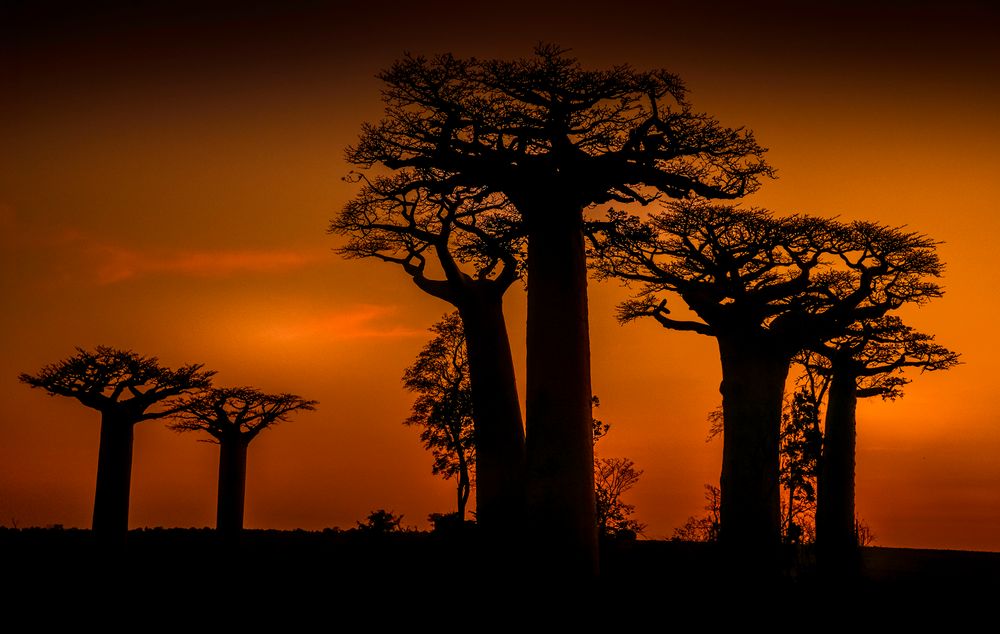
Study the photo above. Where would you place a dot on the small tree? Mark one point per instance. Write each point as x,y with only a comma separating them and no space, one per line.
381,522
612,478
801,442
126,389
706,527
443,409
233,417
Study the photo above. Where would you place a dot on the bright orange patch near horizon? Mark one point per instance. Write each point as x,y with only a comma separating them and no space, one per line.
175,202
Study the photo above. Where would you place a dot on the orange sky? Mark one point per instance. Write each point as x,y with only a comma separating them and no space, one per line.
166,177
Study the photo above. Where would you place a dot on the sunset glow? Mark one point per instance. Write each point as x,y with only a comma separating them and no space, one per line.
167,178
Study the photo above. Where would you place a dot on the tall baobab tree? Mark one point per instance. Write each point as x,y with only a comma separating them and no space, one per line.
471,241
233,417
555,138
765,287
126,389
868,360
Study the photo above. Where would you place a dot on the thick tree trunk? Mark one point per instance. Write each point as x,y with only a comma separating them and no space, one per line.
496,413
559,442
835,532
753,383
232,489
114,480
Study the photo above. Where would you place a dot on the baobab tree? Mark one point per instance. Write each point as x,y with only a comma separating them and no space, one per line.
765,287
443,409
554,138
232,417
471,241
868,360
126,389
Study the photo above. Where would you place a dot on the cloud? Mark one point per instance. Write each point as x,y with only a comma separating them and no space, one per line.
363,321
117,264
72,255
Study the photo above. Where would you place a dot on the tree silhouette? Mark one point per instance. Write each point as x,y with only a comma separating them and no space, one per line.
555,138
443,409
868,360
706,527
467,234
233,417
126,389
801,444
764,287
612,478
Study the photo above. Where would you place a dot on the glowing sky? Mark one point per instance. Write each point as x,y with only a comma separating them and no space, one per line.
167,175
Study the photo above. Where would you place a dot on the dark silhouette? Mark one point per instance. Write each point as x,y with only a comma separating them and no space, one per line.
126,389
554,138
381,522
233,417
868,360
765,288
467,233
706,527
801,444
443,409
613,477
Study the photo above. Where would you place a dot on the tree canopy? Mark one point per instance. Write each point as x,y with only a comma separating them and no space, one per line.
546,121
443,408
236,412
124,381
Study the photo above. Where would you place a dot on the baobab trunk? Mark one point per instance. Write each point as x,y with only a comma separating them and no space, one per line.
753,384
496,414
232,488
114,480
835,533
559,433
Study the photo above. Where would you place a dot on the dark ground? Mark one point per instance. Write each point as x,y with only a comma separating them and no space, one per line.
173,571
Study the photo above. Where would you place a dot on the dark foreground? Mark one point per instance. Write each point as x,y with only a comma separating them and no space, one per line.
175,570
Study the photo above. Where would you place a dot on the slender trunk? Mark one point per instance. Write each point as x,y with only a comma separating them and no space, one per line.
114,480
753,383
232,488
835,532
559,443
496,414
464,488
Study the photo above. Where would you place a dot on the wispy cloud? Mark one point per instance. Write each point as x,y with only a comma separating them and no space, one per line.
118,264
363,321
80,256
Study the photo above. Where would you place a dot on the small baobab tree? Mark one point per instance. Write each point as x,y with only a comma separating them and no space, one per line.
233,417
127,389
867,360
